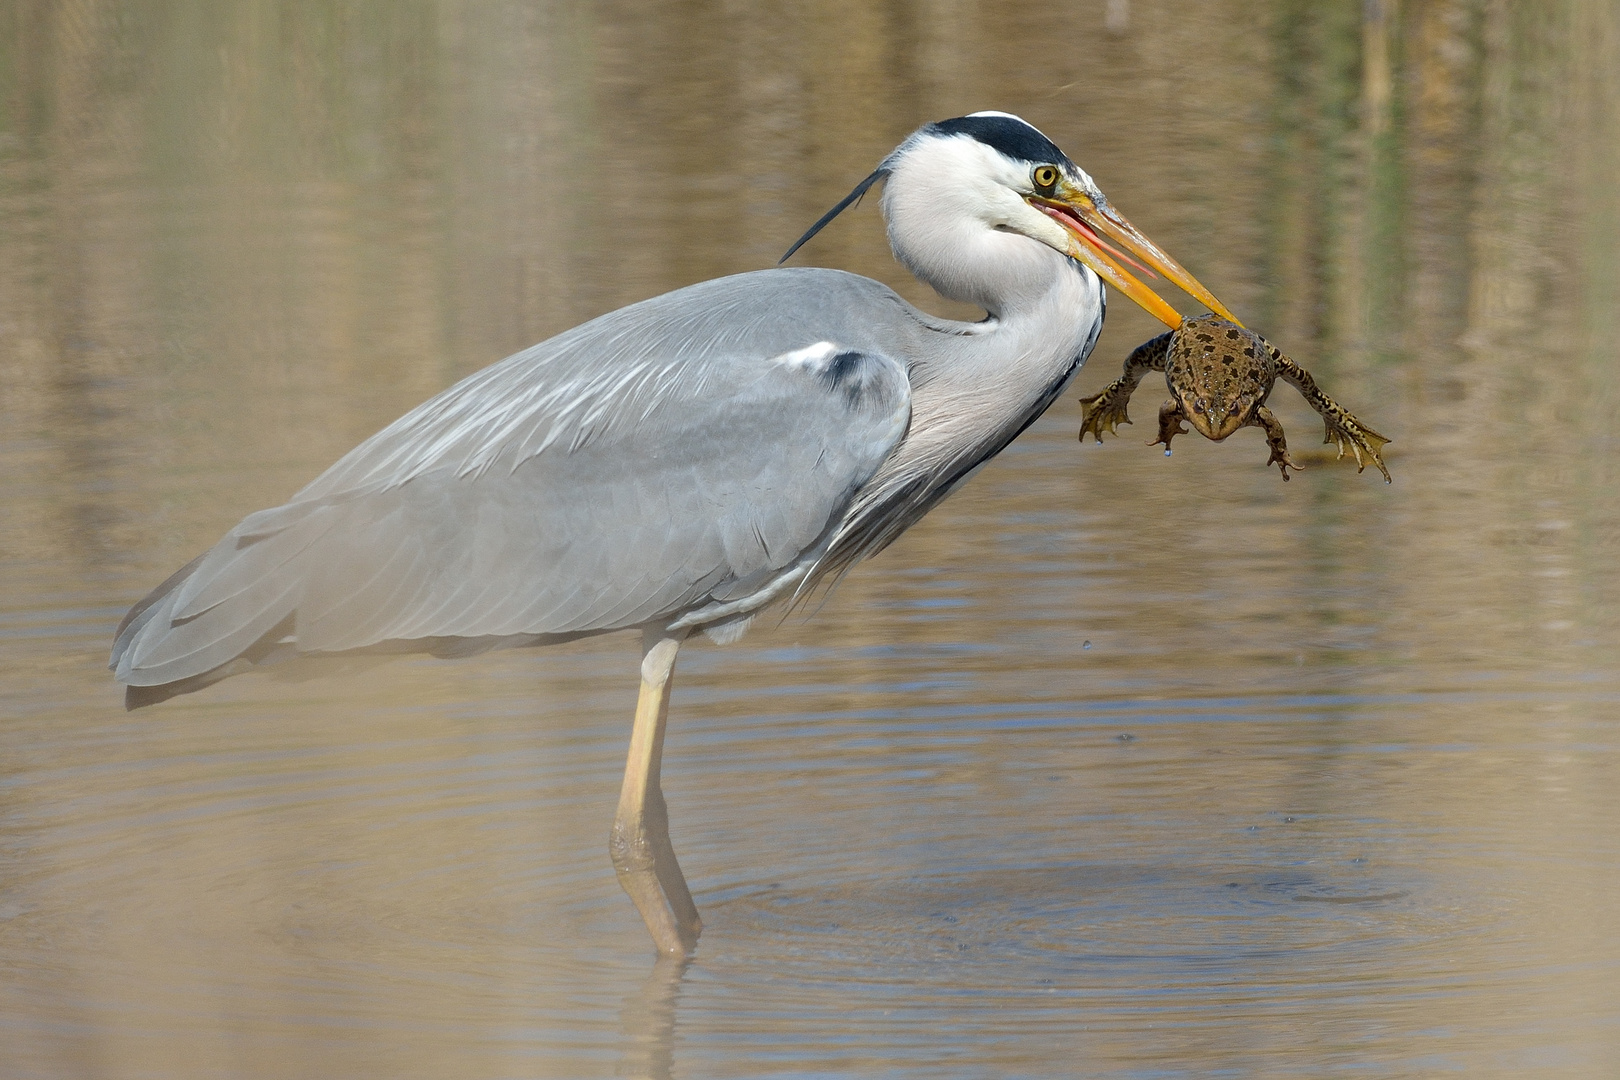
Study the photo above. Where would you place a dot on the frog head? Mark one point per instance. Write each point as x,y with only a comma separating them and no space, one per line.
1219,374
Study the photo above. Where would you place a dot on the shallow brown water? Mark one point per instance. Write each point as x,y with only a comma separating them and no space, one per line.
1117,765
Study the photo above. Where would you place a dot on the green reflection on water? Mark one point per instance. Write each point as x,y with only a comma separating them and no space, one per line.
239,237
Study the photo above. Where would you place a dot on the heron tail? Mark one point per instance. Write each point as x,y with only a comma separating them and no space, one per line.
227,610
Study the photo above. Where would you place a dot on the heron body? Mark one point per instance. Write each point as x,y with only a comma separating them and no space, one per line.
677,465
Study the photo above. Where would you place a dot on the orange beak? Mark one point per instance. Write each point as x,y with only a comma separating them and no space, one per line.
1091,224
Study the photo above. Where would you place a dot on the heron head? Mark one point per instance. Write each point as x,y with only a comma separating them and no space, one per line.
953,180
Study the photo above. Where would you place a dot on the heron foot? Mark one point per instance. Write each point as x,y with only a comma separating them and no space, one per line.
649,873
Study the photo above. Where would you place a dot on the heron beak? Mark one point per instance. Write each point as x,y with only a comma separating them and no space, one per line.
1092,223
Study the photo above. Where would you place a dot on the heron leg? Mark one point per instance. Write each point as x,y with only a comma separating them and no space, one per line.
639,843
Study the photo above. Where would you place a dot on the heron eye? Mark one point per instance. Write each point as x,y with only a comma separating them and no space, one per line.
1045,178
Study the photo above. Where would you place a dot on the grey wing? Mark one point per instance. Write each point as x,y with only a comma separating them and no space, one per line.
658,463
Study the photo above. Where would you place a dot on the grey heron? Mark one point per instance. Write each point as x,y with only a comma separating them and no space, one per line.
678,465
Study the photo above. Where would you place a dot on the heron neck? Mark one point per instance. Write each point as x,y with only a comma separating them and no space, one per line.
1009,367
1032,336
974,387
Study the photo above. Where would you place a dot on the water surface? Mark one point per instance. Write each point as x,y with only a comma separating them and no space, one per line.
1118,765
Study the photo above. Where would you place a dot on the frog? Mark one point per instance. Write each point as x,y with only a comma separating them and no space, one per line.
1220,374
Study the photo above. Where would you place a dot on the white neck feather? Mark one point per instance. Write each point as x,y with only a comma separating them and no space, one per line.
957,222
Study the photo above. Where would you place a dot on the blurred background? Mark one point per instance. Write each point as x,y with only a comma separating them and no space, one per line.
1117,765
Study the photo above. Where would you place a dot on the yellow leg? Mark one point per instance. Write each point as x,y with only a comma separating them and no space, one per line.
639,844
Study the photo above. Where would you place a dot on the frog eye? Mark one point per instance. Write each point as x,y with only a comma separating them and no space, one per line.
1045,178
1198,406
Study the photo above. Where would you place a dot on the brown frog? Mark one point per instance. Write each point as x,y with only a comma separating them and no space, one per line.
1220,374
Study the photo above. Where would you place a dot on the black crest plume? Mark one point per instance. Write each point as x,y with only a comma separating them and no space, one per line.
860,189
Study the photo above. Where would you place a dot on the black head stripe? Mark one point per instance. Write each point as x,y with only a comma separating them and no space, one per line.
1006,134
860,189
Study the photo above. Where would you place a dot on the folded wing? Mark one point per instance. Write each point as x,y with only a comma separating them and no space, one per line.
677,457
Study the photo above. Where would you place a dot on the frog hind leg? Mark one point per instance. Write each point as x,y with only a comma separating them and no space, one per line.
1267,421
1341,426
1170,418
1106,410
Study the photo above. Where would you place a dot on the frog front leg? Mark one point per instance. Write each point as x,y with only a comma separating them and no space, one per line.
1342,427
1104,411
1170,418
1267,422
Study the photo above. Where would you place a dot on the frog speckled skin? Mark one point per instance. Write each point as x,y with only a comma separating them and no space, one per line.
1220,375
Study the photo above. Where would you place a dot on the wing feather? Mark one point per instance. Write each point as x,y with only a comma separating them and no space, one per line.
671,455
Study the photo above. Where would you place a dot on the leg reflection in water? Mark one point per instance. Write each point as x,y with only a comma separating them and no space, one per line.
649,1022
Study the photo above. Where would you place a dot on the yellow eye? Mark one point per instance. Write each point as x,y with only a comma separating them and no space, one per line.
1045,177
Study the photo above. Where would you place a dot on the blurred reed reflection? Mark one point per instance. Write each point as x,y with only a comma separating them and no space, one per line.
1332,789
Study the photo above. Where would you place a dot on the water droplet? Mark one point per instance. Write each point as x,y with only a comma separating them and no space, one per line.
1167,451
1087,645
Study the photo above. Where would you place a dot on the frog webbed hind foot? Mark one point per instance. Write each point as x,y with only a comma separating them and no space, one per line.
1274,439
1351,434
1170,418
1341,427
1105,411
